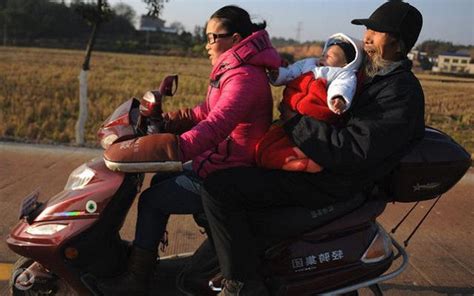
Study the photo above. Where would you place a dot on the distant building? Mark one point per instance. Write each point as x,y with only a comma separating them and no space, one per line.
420,59
416,55
154,24
458,63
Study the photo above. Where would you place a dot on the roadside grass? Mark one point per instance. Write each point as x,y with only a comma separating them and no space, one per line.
39,92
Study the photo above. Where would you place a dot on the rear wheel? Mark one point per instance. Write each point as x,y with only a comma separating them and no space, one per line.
53,286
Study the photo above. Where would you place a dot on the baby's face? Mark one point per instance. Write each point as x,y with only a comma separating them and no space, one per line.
333,57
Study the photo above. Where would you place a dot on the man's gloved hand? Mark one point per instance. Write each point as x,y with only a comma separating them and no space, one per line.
145,154
178,122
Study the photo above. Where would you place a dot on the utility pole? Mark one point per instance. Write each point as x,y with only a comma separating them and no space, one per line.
298,31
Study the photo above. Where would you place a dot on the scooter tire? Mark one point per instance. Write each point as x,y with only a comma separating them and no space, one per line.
56,287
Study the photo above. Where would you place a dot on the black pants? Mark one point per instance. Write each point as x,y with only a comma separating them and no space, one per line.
231,197
176,193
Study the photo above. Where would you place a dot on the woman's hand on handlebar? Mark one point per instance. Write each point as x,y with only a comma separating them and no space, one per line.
178,122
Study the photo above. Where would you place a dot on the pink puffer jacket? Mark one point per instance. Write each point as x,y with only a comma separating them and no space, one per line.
237,111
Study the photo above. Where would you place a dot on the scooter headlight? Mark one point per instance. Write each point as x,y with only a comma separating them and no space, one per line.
79,178
45,229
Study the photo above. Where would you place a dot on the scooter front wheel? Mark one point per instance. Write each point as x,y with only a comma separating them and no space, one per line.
25,283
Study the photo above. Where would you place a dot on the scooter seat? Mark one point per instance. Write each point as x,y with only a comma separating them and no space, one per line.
368,211
271,225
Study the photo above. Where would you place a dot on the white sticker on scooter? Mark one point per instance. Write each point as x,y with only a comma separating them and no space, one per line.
91,206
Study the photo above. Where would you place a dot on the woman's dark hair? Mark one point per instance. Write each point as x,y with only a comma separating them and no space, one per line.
237,20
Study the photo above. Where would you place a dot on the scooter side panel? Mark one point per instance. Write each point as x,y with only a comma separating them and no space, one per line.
323,262
322,253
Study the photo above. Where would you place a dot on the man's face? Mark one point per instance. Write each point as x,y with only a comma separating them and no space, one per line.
380,45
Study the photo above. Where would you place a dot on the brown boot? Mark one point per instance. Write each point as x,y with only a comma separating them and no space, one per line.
247,288
136,280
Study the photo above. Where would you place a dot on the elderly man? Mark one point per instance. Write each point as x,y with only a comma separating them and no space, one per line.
385,120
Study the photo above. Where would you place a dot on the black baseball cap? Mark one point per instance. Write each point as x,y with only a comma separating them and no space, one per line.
396,17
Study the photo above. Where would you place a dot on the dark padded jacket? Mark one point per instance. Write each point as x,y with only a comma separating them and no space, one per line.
384,121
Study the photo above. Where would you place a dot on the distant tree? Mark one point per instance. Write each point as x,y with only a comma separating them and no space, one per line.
155,6
186,39
95,15
18,18
121,22
125,11
199,34
61,21
278,41
179,27
15,16
4,22
435,47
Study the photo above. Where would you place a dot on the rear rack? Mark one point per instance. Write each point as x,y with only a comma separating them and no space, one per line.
384,277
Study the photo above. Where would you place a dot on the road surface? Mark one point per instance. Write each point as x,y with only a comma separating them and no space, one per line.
441,251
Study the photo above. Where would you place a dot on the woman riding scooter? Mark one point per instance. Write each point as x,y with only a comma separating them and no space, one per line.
219,133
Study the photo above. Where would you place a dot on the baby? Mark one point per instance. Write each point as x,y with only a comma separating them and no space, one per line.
320,88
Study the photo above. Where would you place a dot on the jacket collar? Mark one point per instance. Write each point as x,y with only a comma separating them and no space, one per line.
396,67
404,64
243,52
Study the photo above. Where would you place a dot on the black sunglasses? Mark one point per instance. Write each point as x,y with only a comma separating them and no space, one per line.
212,37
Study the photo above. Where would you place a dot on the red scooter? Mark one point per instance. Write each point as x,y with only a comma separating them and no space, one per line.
69,241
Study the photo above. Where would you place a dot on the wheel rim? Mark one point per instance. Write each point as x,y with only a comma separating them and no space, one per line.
26,285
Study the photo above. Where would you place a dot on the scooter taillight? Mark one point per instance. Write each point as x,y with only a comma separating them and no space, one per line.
379,249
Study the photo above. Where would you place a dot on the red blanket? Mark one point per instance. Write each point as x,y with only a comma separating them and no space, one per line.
308,96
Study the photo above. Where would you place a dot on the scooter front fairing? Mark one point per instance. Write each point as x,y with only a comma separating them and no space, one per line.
80,225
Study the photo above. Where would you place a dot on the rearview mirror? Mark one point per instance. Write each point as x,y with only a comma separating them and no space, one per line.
169,85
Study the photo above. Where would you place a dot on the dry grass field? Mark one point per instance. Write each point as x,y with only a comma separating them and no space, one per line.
39,92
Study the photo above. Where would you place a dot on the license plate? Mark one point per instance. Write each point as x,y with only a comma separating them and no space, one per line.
29,204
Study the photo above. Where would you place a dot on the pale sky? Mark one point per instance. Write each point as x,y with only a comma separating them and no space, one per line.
445,20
